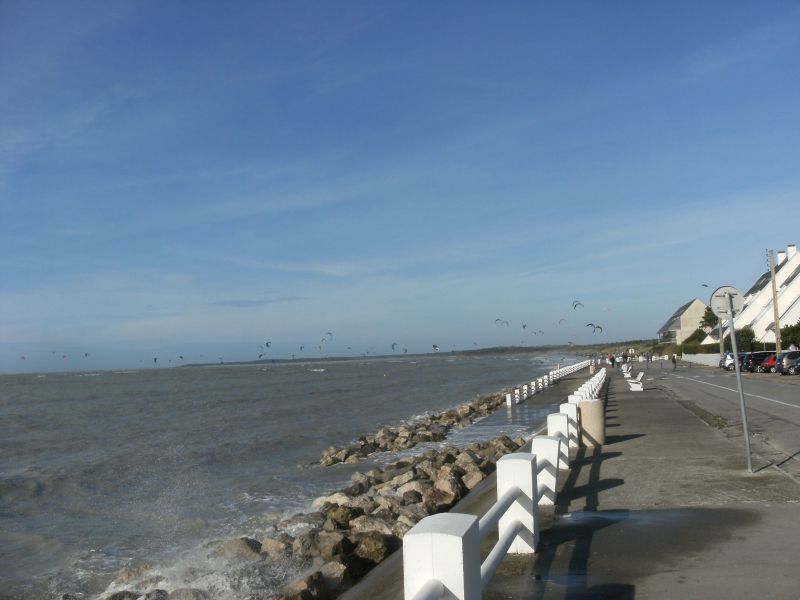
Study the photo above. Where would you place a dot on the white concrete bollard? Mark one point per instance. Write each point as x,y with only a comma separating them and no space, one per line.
548,454
508,399
558,426
519,470
445,547
571,410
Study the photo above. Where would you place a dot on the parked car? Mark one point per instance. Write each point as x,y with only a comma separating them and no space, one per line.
726,359
753,360
790,365
779,360
768,365
742,357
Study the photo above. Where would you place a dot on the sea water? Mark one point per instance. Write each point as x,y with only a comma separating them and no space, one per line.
99,471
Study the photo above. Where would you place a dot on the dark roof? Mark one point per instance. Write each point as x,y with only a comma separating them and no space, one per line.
760,283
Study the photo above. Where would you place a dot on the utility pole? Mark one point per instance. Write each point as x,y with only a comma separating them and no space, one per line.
775,302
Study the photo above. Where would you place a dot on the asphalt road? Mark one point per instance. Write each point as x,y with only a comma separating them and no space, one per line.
772,405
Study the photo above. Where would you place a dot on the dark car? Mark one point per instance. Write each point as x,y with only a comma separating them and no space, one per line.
779,360
753,360
768,365
790,363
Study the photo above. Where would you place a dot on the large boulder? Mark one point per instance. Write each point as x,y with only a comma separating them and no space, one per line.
448,480
243,548
472,478
302,521
125,595
310,587
277,548
339,517
337,576
436,500
368,523
414,512
375,547
333,543
157,595
336,498
305,545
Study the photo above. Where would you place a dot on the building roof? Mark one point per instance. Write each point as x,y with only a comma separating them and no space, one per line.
759,284
675,316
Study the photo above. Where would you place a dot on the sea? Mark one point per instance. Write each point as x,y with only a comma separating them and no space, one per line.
105,470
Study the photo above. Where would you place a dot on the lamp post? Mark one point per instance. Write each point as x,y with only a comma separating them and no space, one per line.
719,327
728,300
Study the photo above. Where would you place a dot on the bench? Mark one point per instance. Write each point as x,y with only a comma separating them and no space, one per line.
636,384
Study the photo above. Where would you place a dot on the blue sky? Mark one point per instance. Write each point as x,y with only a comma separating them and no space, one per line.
197,178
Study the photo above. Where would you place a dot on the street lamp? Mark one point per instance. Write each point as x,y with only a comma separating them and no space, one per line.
719,325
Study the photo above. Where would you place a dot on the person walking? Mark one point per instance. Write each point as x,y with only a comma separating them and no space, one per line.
674,361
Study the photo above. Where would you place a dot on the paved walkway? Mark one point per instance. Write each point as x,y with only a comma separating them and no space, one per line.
665,509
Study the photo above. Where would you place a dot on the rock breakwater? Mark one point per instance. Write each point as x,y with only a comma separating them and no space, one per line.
349,532
428,428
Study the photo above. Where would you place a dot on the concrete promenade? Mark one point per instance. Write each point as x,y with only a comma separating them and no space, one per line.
665,509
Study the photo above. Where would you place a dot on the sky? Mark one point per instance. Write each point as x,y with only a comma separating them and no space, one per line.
198,178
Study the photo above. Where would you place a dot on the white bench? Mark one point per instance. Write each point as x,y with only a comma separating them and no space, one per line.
636,384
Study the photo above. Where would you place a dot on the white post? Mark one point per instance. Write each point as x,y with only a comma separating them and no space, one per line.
445,547
571,410
519,470
558,425
508,399
547,451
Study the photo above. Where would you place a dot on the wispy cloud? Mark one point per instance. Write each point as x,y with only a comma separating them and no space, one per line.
240,303
757,45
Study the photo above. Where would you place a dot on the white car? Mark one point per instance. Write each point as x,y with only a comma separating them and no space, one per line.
726,362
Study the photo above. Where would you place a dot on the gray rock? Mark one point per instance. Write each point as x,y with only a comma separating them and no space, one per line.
125,595
157,595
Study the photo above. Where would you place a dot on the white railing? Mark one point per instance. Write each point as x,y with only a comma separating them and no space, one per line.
442,552
519,395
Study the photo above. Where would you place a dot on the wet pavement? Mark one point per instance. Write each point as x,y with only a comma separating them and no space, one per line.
665,509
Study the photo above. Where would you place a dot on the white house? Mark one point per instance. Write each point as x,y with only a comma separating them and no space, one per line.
683,322
758,312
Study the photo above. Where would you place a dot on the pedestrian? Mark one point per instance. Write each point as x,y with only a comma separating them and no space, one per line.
674,361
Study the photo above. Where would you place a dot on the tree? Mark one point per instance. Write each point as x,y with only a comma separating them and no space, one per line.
790,334
709,319
744,339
